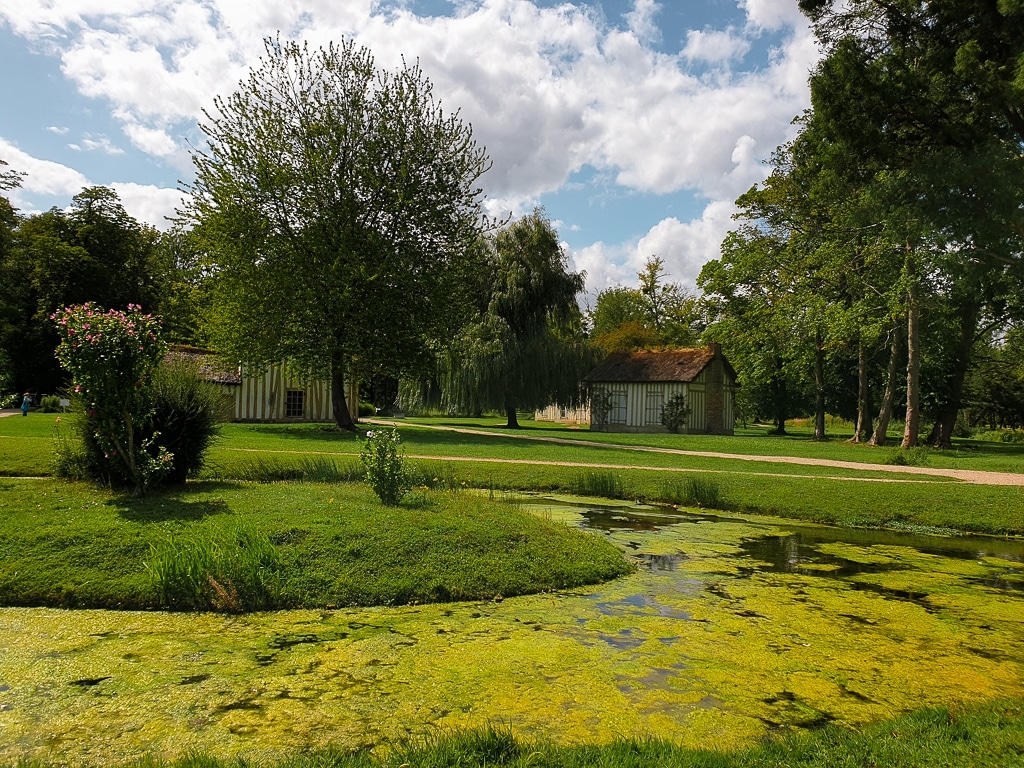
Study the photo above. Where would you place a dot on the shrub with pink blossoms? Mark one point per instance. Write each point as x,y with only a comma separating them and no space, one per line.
110,355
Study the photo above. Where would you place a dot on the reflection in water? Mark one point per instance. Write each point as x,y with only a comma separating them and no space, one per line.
729,629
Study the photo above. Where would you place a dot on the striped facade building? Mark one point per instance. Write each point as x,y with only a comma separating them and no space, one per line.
629,390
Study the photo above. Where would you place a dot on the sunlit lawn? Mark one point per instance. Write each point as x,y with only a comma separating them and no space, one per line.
479,460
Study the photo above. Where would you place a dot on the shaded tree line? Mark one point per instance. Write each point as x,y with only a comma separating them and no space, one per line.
91,252
884,249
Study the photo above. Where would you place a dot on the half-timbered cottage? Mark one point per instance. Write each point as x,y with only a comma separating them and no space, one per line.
629,390
272,395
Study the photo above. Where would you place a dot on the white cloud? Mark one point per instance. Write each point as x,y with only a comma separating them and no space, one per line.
151,140
773,14
148,204
59,130
101,143
715,46
641,20
43,177
686,246
604,267
549,91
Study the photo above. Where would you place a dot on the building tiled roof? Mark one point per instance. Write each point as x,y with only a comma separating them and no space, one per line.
676,365
211,367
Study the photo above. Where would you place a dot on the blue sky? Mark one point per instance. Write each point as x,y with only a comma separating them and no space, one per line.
634,123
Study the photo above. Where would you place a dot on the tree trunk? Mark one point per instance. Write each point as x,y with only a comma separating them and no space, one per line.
819,387
338,401
779,396
942,436
863,431
885,410
510,413
913,423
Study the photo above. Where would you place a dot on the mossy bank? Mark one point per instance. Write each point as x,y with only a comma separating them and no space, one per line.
298,545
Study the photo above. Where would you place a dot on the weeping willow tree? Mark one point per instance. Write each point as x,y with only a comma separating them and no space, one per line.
526,349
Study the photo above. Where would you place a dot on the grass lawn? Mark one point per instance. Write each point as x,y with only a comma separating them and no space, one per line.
70,545
819,494
981,736
755,441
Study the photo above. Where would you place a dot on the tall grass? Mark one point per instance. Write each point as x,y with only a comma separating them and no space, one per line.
601,484
439,476
230,568
909,457
700,492
308,469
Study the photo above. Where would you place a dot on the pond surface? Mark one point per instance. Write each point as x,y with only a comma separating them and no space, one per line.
730,629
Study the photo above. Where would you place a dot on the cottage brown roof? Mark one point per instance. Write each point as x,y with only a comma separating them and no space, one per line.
679,365
211,367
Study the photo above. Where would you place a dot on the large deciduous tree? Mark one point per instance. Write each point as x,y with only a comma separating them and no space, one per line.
10,275
526,348
338,205
655,314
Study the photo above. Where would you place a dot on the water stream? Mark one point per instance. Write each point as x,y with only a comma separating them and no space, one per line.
730,629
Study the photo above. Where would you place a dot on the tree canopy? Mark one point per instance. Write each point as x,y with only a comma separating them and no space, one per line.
655,314
337,206
92,252
894,213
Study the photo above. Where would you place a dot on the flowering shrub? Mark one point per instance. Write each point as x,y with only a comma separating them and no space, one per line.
386,469
110,356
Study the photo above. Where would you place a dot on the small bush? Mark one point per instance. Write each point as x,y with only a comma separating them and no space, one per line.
49,404
367,409
605,485
701,492
908,457
182,426
675,413
186,411
232,569
111,356
386,469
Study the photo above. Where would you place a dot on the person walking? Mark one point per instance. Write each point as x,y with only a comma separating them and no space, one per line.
26,401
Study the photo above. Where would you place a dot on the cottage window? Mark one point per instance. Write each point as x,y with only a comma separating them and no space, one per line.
653,405
617,403
293,403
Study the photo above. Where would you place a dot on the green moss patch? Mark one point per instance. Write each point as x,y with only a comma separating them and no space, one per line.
727,633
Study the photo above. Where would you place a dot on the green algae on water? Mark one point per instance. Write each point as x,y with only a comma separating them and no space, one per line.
729,630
